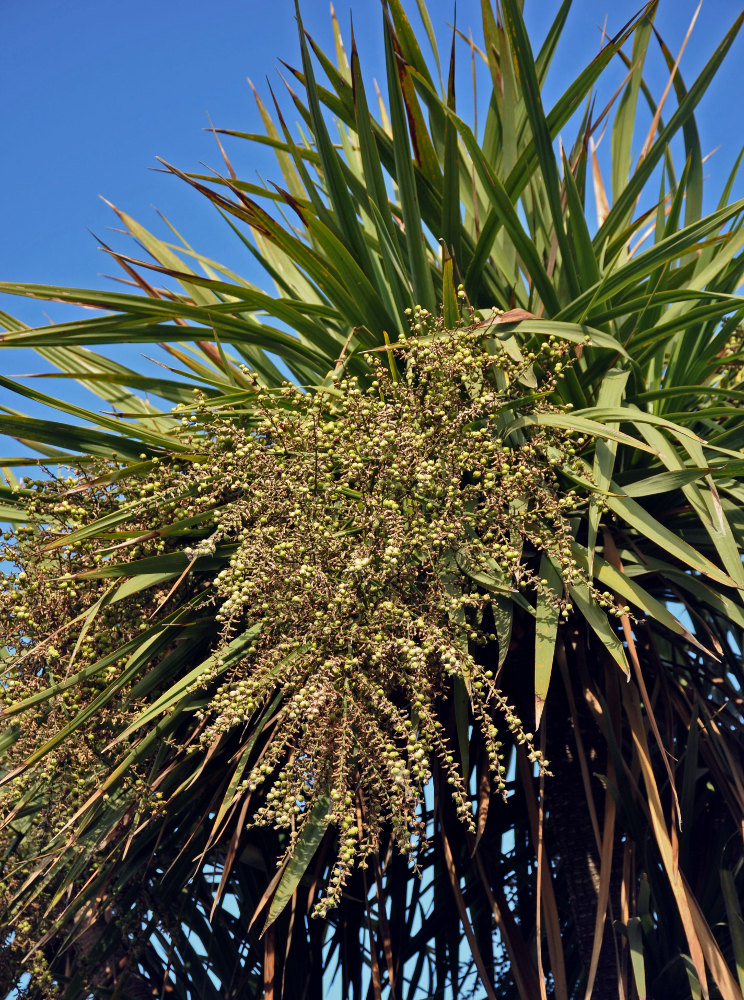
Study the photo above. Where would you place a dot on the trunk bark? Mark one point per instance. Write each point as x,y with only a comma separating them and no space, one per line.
570,839
570,725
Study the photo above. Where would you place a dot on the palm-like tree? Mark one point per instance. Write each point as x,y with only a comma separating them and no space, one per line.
132,862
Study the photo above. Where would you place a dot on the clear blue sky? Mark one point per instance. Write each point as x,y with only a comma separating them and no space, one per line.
94,90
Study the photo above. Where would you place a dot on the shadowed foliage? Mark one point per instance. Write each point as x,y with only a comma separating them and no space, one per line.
292,629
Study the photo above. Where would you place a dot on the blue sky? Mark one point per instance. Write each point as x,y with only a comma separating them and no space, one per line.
94,90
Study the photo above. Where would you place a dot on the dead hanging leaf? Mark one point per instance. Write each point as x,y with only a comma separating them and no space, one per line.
608,839
600,192
463,913
514,316
702,944
549,908
269,963
484,798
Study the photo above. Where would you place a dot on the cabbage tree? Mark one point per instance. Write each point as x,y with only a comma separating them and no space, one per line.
391,632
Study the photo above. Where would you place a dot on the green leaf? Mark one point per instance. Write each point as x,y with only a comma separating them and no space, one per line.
579,424
530,92
462,724
146,649
344,208
623,127
735,921
629,589
600,624
211,667
626,200
308,841
610,396
420,271
503,616
33,431
654,531
663,482
451,231
450,306
373,176
546,629
504,212
637,267
637,961
587,269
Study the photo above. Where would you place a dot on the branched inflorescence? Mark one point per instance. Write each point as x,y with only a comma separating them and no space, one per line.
362,534
375,524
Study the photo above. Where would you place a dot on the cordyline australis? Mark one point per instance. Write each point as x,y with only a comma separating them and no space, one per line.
439,640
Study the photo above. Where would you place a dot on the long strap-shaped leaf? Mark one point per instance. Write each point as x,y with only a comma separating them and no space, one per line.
421,278
530,89
547,615
311,834
698,932
615,221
